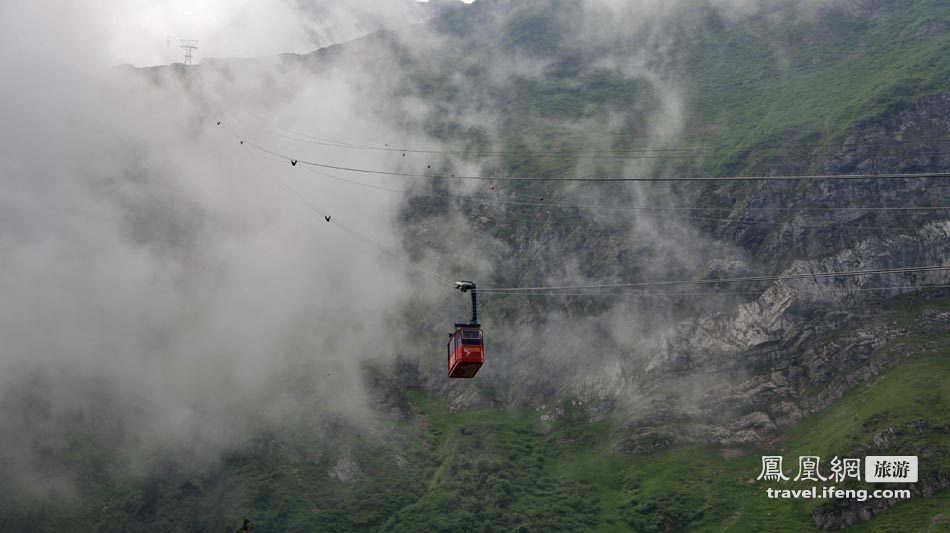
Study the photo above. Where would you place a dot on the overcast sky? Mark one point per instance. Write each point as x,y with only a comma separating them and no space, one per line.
145,32
133,228
151,265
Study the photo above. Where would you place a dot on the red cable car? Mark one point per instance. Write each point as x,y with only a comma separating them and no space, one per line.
466,348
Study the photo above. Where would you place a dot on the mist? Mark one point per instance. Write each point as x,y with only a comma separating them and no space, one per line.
169,291
173,292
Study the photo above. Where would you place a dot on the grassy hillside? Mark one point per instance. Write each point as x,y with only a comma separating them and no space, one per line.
767,82
519,470
750,87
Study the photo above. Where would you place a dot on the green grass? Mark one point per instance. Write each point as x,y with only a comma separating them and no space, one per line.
748,89
922,514
805,82
907,313
767,94
765,78
695,487
509,470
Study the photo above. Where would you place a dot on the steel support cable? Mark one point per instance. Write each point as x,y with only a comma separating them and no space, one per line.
706,281
707,293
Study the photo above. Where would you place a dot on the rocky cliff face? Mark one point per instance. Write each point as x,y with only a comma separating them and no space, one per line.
738,368
804,343
773,325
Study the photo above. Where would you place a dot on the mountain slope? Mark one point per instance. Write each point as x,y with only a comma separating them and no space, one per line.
549,469
647,412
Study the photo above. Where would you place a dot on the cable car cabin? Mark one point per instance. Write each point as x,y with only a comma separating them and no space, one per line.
466,351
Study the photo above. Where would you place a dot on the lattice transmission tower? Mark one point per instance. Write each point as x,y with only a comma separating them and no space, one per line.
188,46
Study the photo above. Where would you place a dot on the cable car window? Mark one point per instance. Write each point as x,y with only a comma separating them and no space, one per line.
471,337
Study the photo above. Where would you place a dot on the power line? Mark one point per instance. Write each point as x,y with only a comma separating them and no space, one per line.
352,231
527,291
555,203
629,154
317,140
655,179
360,235
494,201
586,154
279,158
550,204
622,208
706,281
365,238
739,221
686,208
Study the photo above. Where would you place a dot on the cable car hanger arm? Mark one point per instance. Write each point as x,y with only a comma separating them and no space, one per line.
466,286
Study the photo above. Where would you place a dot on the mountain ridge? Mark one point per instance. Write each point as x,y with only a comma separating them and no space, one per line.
584,401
